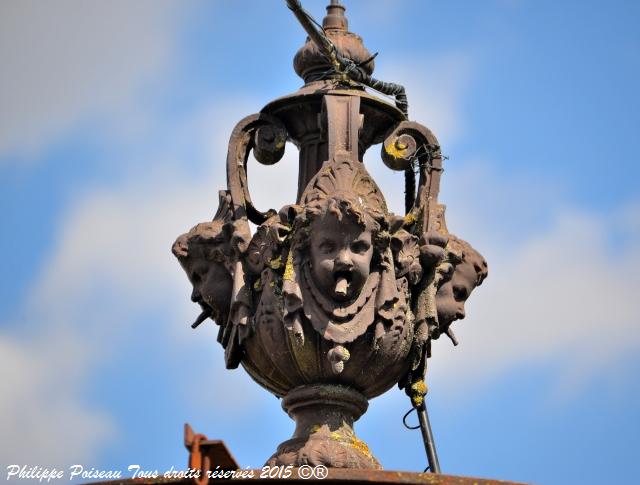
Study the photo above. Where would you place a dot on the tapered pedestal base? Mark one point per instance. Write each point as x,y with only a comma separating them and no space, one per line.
324,416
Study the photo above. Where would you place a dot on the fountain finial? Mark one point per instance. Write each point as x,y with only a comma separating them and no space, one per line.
332,300
312,65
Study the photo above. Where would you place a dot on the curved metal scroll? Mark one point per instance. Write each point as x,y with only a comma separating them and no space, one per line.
407,143
267,136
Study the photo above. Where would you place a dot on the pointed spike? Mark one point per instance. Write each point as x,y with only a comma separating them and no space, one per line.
452,336
206,313
188,435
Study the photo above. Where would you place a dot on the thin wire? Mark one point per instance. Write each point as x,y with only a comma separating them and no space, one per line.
363,63
404,422
404,419
315,22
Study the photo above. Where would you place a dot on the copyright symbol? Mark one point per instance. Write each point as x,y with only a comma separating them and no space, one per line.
305,472
320,472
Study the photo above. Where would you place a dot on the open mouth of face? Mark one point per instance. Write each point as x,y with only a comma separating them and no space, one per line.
342,280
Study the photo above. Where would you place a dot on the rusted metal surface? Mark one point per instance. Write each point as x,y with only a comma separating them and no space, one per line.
337,475
333,299
205,455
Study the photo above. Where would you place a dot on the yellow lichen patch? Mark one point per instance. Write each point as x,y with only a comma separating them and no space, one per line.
418,390
359,445
258,284
409,218
419,387
276,263
314,429
396,150
362,447
288,270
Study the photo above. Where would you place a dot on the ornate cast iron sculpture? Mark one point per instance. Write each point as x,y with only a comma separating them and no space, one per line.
333,300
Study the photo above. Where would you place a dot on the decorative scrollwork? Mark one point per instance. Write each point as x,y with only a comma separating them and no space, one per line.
266,135
410,143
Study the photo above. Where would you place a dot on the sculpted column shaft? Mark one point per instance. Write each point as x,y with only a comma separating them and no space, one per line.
343,120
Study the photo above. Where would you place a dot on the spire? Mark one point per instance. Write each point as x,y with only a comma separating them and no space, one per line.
335,19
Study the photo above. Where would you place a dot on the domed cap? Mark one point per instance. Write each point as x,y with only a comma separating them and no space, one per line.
309,62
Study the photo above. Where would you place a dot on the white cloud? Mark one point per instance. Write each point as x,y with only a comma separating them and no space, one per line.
561,285
70,61
42,418
112,266
436,88
560,293
63,63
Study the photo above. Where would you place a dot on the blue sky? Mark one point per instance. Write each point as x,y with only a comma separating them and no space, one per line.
114,121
